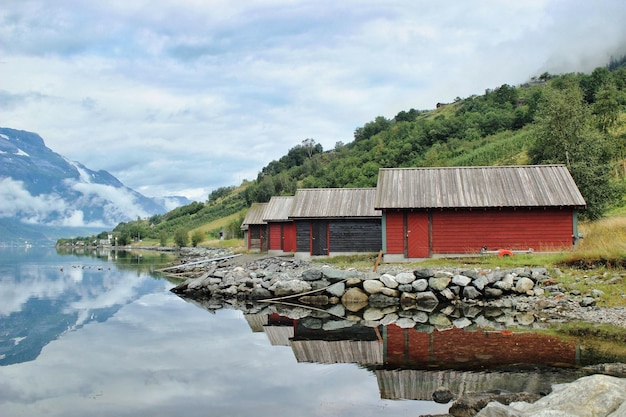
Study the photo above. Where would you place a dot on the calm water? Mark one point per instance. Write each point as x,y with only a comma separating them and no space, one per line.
100,335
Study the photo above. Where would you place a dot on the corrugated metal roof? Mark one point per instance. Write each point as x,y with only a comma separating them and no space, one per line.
278,209
334,203
466,187
255,215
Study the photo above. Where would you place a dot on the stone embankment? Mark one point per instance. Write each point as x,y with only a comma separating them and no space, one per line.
444,298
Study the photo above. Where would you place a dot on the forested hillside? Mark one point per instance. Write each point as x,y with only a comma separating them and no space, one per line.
574,119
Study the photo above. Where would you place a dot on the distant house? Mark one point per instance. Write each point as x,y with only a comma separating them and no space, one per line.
255,228
459,210
336,221
281,229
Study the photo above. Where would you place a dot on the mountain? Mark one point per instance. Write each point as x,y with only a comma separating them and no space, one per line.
44,195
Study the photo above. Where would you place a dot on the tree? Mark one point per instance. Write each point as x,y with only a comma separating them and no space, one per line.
196,238
181,238
565,134
163,238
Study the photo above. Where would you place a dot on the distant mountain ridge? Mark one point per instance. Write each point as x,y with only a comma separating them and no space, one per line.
41,190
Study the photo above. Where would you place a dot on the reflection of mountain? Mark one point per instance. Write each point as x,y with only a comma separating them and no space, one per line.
40,301
410,364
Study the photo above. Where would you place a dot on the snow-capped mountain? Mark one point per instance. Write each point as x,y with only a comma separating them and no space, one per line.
39,187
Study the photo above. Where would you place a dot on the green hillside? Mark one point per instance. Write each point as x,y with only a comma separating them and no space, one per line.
573,119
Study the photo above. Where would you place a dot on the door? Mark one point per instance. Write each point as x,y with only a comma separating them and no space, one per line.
289,237
319,238
417,238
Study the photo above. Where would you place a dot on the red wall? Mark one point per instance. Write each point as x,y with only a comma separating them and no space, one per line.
289,237
275,235
476,349
466,231
394,230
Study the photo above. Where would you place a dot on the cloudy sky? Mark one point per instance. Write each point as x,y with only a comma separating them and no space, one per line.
179,97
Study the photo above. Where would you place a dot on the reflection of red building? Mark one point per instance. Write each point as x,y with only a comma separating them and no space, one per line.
459,349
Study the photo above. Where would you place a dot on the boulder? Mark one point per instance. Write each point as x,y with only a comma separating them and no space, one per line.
423,273
524,285
337,289
461,280
405,278
426,301
420,285
595,395
439,283
389,281
291,287
373,286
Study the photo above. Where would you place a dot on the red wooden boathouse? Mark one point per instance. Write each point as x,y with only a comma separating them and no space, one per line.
281,229
459,210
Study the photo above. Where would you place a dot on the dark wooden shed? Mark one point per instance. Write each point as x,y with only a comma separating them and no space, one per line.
459,210
336,221
281,229
255,228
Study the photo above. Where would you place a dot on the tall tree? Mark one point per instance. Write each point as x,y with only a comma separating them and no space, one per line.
566,134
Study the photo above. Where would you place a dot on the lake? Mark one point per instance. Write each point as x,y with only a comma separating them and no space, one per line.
100,334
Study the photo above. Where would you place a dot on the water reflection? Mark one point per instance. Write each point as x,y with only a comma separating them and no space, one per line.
411,363
42,296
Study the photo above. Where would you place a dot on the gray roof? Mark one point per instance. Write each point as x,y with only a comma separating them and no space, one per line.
467,187
334,203
254,215
278,209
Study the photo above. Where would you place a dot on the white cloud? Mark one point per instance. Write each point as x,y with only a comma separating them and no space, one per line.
178,97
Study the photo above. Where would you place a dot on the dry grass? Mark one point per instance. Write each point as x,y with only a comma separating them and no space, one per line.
604,243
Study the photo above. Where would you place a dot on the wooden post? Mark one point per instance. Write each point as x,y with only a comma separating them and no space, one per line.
380,255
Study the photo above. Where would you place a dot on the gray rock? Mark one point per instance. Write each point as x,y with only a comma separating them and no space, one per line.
461,280
373,286
334,275
291,287
381,300
439,283
405,278
587,302
440,321
405,288
524,285
389,281
595,395
420,285
447,294
471,293
426,301
337,289
405,323
480,283
259,293
493,292
373,314
337,324
390,292
462,323
442,395
423,273
311,275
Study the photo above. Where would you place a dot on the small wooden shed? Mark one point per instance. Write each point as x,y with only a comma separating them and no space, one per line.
281,229
459,210
255,228
336,221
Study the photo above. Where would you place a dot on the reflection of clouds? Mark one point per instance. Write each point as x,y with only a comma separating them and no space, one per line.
33,283
160,356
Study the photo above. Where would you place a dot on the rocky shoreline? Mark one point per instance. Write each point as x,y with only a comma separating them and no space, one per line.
394,294
326,298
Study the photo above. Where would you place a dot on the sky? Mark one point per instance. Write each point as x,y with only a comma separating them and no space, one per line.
181,97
